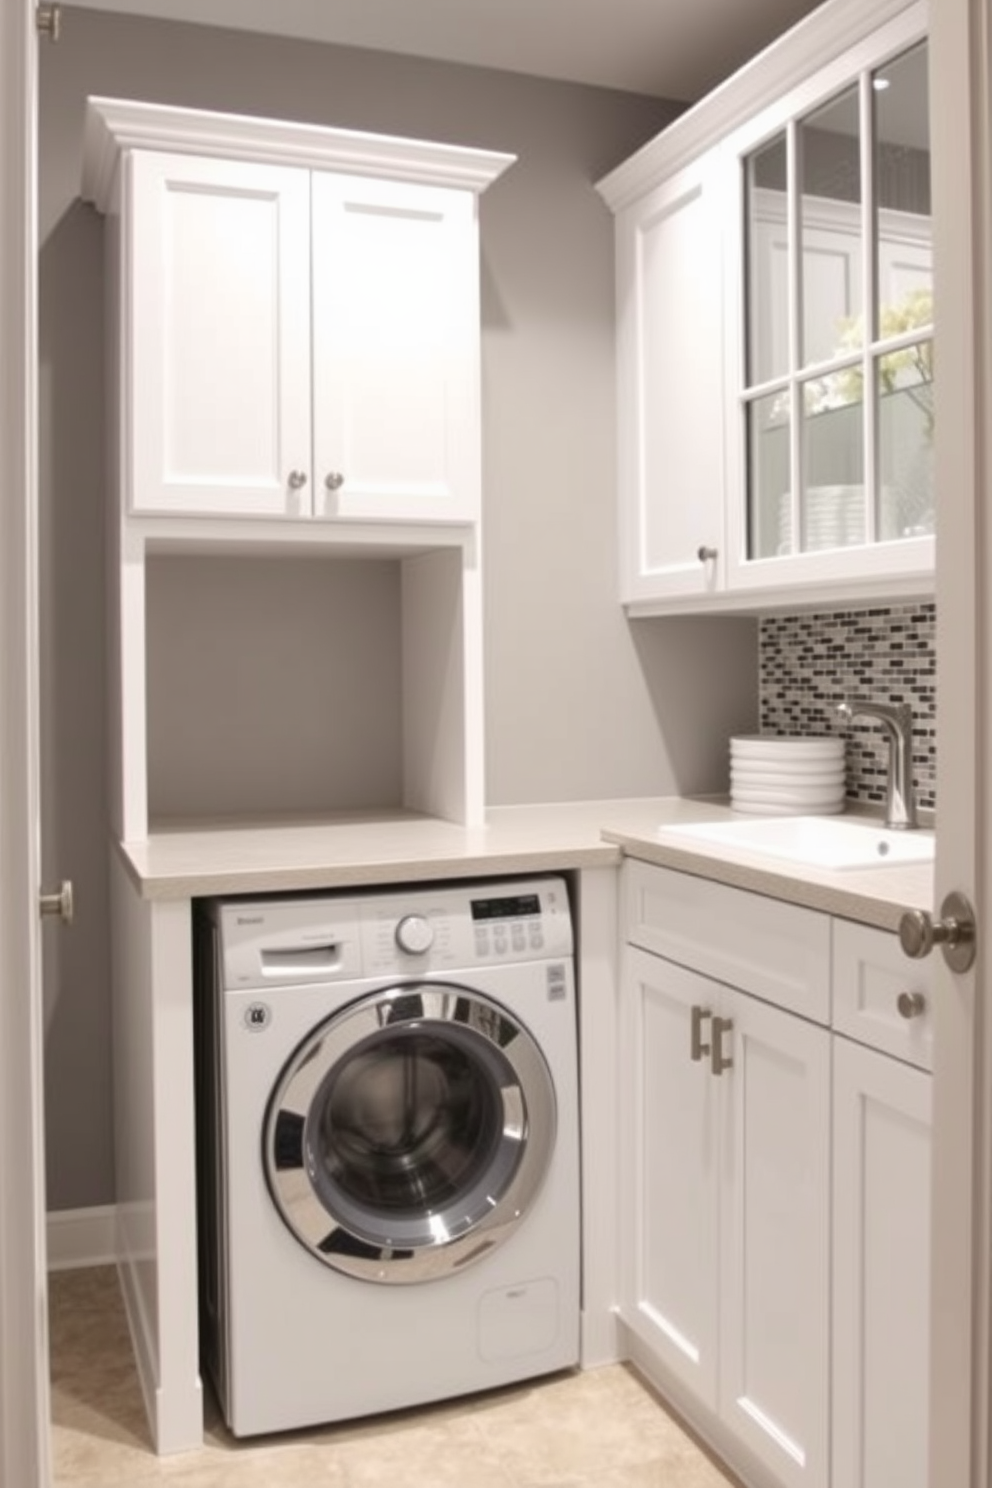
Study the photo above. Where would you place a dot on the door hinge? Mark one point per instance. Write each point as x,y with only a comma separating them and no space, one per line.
48,21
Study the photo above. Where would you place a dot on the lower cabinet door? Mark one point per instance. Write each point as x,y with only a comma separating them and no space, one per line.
669,1289
775,1239
881,1270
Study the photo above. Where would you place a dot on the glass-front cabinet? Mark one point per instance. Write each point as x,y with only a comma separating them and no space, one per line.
775,311
835,400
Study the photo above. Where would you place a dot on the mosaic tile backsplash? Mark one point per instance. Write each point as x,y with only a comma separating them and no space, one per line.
808,662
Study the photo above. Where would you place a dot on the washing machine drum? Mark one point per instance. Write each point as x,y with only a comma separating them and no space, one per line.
410,1133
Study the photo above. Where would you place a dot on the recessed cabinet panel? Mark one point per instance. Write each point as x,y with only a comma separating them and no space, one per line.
669,1293
219,339
774,1381
395,343
881,997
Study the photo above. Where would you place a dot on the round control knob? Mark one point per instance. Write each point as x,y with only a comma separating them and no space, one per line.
414,934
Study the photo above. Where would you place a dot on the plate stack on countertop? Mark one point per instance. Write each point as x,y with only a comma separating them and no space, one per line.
772,775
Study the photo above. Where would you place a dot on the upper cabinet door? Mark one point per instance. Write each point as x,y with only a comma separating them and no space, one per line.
831,441
396,347
670,360
217,368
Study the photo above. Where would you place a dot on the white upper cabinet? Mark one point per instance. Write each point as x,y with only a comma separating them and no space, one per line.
299,317
775,328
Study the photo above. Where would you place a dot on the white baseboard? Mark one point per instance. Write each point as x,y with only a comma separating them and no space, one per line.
82,1237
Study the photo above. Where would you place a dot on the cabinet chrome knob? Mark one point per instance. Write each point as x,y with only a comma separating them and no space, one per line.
911,1004
60,903
334,480
954,932
705,554
297,479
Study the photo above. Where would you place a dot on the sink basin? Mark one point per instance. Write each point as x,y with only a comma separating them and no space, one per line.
815,841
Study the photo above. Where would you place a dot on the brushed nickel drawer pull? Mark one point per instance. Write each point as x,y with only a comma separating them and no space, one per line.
719,1061
697,1048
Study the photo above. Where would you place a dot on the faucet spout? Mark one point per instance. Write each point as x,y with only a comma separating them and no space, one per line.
897,721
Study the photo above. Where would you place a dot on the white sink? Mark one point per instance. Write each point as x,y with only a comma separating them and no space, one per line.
816,841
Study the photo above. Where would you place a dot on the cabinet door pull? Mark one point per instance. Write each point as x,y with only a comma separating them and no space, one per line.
718,1060
297,480
911,1004
696,1046
334,480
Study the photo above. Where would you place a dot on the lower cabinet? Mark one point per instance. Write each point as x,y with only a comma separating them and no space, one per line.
775,1181
729,1144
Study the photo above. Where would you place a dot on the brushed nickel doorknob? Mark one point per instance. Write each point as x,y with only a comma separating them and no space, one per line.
911,1004
334,480
955,932
297,480
704,553
59,903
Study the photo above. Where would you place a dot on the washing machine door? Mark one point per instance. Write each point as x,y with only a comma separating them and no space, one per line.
409,1134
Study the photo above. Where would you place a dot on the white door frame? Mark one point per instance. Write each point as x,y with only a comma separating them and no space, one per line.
24,1386
961,1316
961,105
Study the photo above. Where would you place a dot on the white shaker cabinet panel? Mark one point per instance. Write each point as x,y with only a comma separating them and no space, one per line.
396,332
217,339
775,1246
669,1292
881,1233
670,386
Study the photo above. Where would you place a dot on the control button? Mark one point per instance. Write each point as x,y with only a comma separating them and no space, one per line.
414,934
536,938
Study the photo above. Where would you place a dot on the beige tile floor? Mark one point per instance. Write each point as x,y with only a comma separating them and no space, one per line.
599,1429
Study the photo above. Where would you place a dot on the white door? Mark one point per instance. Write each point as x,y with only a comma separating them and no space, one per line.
961,1317
24,1452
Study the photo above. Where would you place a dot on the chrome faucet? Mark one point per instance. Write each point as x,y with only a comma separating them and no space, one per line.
897,720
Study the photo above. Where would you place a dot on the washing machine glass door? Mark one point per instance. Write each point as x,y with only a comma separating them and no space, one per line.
408,1135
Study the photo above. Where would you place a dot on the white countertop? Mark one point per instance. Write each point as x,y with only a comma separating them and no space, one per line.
349,850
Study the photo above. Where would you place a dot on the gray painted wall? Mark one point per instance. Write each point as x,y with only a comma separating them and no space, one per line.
579,702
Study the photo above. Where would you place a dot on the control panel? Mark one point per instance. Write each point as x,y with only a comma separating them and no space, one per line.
416,931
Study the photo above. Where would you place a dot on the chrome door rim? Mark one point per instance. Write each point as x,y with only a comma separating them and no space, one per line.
376,1245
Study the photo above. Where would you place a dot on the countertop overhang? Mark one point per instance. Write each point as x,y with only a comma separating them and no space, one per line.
350,850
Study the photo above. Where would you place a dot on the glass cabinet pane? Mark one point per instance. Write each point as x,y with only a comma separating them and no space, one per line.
904,260
768,442
767,254
833,464
838,396
831,288
904,390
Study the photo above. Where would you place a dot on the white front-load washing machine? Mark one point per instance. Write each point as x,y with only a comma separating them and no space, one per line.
389,1147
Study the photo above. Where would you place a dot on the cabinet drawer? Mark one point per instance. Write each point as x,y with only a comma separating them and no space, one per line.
871,974
778,951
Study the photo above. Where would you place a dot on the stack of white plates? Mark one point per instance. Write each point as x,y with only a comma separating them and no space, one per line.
775,775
